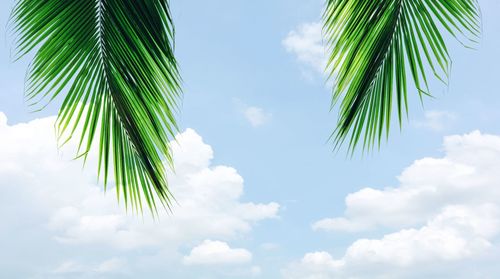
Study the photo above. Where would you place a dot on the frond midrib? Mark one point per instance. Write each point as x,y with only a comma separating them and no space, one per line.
346,122
101,45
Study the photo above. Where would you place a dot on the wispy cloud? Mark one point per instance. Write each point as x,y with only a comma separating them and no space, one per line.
306,44
436,120
257,116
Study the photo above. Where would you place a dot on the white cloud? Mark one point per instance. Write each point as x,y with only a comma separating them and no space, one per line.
257,116
437,120
446,210
55,199
216,253
458,232
465,175
3,119
306,43
208,206
317,265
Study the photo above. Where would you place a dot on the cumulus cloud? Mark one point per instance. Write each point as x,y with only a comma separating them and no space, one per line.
306,43
446,210
458,232
317,265
63,205
208,199
216,253
465,175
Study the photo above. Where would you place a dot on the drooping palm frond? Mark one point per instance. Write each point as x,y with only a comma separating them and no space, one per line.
376,45
114,62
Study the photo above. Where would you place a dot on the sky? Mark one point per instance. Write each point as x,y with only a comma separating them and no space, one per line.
260,192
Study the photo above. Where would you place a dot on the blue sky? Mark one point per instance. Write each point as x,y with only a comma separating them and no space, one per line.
261,192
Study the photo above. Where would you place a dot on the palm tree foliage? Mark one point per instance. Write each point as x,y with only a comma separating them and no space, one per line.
376,45
114,61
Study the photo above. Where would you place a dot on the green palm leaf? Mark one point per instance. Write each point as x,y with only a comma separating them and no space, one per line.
114,62
376,46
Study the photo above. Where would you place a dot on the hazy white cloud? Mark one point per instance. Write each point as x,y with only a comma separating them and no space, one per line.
256,116
339,224
437,120
269,246
255,270
69,267
111,265
58,201
446,210
306,43
73,267
217,253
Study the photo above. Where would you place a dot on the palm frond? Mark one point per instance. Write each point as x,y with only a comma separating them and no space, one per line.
114,62
376,46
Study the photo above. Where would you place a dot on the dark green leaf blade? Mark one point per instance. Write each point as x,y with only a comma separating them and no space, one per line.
374,45
114,61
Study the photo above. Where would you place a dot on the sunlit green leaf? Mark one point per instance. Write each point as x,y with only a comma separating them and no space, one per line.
375,46
112,62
